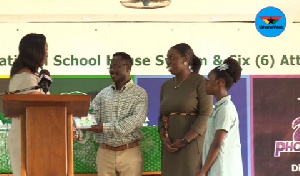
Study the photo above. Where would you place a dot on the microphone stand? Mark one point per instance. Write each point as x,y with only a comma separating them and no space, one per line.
21,90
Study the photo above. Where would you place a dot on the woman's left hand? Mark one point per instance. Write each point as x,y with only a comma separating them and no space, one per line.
178,143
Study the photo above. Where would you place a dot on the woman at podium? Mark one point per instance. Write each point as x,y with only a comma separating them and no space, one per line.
24,79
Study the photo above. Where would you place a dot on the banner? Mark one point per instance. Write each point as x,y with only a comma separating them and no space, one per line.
86,49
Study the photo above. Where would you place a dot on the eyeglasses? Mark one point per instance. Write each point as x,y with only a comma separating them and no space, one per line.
115,67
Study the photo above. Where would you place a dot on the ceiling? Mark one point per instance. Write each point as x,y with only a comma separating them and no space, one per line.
98,11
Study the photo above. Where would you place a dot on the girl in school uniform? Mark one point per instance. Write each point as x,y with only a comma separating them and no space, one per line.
222,147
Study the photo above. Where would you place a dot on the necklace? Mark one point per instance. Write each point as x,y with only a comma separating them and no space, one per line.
176,87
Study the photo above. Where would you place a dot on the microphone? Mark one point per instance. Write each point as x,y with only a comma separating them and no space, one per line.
45,80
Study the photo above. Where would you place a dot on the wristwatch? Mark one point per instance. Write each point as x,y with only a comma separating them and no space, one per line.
185,141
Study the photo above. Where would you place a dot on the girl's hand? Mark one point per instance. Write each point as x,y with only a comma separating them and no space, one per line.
200,173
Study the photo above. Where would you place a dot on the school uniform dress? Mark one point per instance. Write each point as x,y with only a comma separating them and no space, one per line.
229,160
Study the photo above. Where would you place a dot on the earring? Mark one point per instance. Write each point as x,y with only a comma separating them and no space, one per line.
185,63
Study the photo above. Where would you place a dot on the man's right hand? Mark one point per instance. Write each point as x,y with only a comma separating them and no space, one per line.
96,128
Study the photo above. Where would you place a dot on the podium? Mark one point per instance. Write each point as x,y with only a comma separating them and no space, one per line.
46,130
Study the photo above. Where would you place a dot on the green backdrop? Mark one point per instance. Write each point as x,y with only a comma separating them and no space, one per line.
85,154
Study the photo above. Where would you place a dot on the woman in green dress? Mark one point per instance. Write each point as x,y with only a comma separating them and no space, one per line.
184,111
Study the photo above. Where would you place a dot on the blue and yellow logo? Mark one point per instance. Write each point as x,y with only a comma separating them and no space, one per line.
270,22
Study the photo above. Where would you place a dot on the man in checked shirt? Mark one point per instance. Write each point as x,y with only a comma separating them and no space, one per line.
121,110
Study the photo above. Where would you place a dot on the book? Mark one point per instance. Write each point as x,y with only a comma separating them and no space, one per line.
85,122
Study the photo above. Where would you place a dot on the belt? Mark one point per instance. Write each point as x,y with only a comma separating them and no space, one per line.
120,148
166,119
